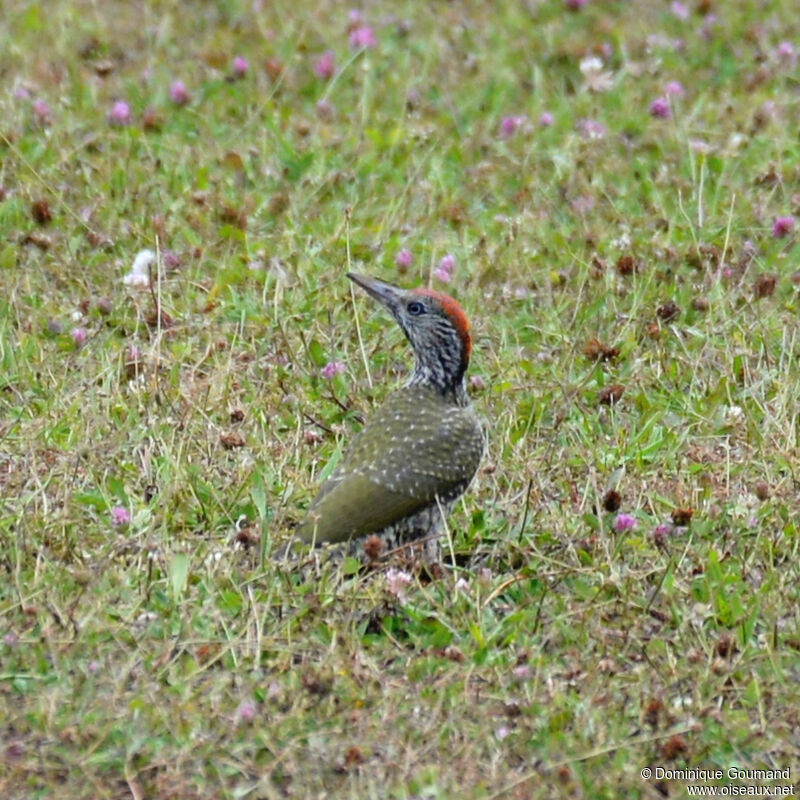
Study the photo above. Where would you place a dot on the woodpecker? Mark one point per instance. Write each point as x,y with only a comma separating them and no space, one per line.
419,451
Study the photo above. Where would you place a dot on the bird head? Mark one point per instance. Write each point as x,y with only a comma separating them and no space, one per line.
434,324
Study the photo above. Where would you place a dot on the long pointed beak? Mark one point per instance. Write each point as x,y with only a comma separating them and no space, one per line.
384,293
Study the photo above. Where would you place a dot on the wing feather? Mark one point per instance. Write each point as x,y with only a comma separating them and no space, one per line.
416,448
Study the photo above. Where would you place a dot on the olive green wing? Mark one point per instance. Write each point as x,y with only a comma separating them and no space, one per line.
354,507
414,450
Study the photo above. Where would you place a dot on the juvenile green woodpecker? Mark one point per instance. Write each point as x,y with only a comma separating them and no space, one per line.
420,449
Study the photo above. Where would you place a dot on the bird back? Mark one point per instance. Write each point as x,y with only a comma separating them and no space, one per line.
416,449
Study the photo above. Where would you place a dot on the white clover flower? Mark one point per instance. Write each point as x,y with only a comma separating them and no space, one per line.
396,582
590,64
139,276
597,79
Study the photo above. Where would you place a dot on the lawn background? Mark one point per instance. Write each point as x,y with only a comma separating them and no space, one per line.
622,582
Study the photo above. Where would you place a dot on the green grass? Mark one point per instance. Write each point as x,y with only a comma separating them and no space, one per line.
557,657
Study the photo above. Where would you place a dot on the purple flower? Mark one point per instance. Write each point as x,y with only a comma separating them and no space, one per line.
332,368
240,66
476,382
656,41
786,53
362,37
104,305
448,263
700,147
93,666
660,108
21,93
591,129
9,639
78,336
120,516
662,529
674,88
446,266
522,672
120,113
246,711
325,65
575,5
41,111
624,522
403,259
706,29
680,10
178,93
782,226
545,119
509,126
170,259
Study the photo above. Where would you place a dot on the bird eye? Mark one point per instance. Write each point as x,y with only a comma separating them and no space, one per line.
416,308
